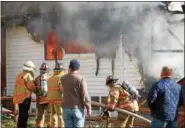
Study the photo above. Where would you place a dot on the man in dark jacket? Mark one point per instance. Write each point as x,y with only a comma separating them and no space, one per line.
164,99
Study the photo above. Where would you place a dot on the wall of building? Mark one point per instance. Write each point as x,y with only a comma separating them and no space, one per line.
0,64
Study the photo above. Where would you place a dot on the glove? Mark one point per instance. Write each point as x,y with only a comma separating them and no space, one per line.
89,112
105,115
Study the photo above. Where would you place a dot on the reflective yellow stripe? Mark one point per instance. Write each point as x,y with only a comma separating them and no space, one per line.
56,88
42,100
55,101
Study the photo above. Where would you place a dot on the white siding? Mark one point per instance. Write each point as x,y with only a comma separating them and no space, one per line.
20,48
0,64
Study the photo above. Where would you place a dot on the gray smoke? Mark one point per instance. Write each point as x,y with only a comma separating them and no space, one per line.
141,26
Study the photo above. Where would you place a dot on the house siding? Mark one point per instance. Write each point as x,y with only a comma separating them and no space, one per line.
20,48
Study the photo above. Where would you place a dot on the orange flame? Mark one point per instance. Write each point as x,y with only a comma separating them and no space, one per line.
53,47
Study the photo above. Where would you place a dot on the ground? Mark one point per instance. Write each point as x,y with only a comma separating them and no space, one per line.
8,122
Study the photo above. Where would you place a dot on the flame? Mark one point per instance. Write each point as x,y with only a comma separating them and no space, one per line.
53,47
75,47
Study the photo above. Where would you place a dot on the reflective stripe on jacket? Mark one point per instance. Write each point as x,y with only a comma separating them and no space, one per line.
54,93
24,85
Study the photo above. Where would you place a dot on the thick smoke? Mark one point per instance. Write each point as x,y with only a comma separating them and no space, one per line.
141,26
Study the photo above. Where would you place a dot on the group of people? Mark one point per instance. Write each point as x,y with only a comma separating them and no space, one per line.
164,99
65,97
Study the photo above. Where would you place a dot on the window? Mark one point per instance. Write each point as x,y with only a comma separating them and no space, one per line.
104,99
54,48
100,99
97,99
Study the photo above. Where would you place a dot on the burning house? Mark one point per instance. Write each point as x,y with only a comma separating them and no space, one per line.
131,41
25,37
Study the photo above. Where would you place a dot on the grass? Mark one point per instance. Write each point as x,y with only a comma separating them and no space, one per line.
8,122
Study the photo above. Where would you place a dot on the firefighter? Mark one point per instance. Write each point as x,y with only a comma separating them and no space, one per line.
24,86
55,96
42,101
120,98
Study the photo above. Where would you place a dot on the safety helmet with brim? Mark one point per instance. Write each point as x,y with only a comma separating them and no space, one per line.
29,66
59,67
44,67
110,80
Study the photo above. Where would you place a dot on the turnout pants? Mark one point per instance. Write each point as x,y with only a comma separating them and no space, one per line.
42,117
126,121
56,109
23,113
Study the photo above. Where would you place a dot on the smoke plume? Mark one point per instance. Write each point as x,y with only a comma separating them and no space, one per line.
141,25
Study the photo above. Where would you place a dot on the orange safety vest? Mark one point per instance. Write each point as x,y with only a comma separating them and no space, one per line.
23,88
54,93
40,99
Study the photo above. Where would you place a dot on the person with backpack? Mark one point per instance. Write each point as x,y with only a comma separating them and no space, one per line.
118,97
42,100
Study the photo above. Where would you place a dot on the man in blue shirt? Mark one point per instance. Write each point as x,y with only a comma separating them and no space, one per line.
164,98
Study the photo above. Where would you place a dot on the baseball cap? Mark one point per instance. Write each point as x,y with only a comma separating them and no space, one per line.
74,64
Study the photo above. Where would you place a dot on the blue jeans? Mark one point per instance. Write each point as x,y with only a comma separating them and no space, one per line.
163,124
74,118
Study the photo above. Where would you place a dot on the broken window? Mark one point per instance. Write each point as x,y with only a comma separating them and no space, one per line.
53,47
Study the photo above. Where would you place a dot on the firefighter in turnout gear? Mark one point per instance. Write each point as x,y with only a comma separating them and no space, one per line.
55,96
24,86
120,98
42,101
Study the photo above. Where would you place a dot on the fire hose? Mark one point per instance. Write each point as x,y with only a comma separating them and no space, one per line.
93,103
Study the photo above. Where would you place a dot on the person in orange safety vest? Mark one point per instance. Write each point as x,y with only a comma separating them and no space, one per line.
55,96
24,86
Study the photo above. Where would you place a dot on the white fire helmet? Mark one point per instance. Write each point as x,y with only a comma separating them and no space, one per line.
29,66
